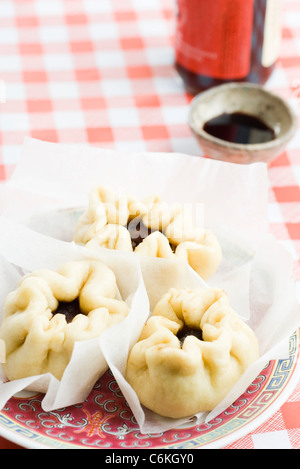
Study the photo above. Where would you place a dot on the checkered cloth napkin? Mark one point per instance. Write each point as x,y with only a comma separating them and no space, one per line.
101,72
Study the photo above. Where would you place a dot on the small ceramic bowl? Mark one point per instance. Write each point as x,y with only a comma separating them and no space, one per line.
244,98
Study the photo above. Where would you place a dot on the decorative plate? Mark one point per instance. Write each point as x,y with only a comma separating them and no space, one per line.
104,420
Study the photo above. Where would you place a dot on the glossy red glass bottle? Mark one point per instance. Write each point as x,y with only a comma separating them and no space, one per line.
219,41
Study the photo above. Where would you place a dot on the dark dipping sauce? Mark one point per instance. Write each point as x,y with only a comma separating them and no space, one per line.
68,309
239,128
186,331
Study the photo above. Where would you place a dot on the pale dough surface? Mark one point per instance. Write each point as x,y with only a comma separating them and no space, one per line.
36,341
172,233
180,381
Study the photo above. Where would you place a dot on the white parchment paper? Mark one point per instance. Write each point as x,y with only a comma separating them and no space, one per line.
23,250
256,271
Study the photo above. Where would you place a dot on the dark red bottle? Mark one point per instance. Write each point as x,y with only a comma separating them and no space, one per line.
219,41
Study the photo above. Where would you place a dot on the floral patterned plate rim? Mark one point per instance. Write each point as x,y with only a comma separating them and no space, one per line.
105,420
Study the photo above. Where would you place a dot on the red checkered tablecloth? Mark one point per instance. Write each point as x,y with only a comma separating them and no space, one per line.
101,72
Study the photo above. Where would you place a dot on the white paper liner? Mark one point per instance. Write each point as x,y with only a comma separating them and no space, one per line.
256,270
274,316
51,175
23,250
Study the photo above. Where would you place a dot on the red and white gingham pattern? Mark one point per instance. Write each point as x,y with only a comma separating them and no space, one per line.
101,72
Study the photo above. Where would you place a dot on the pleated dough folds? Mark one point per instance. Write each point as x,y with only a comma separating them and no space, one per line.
38,341
169,231
177,379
